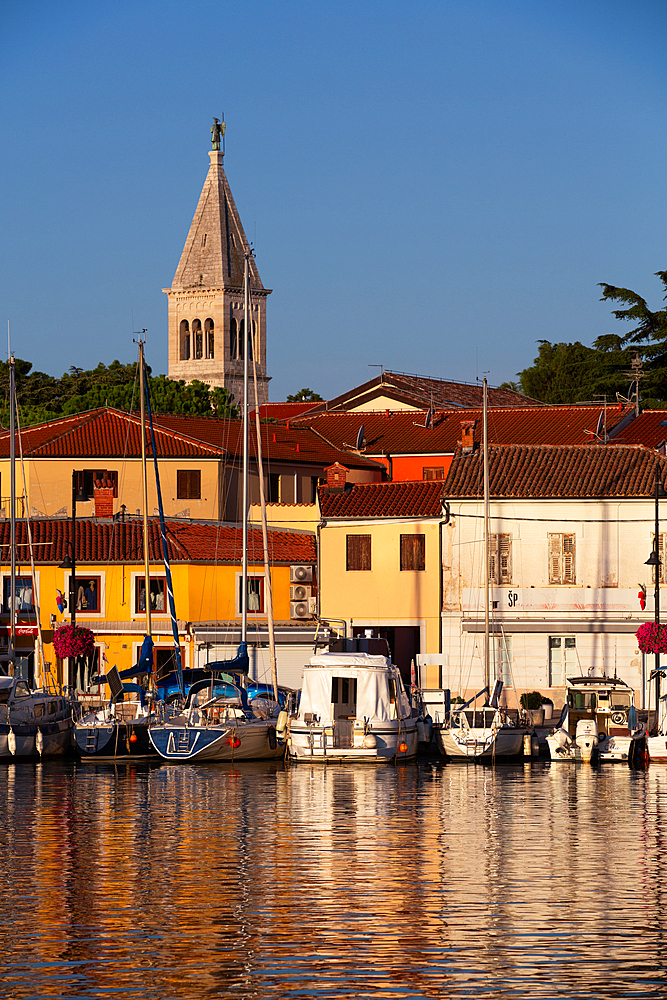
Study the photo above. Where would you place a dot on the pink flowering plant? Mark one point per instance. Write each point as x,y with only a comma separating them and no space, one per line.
652,638
70,641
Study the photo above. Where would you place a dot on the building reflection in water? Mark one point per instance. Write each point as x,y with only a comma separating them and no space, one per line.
259,881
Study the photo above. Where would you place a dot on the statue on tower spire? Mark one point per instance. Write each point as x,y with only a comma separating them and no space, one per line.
217,130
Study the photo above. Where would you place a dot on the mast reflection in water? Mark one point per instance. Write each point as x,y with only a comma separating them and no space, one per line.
255,881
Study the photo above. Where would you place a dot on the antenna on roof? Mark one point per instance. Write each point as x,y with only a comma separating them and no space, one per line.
381,367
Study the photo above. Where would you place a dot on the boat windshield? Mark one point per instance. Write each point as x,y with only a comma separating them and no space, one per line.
481,718
581,701
620,701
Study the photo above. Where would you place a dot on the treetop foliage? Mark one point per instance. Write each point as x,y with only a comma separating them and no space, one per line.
305,396
44,397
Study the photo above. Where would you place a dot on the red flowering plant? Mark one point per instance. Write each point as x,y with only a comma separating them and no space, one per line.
652,638
70,640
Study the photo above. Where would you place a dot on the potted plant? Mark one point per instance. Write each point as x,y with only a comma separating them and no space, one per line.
531,703
548,706
72,641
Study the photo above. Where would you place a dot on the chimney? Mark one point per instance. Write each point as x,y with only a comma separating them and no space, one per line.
103,497
336,476
468,436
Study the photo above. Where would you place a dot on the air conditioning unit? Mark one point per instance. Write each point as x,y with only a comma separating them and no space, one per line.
300,592
299,609
300,574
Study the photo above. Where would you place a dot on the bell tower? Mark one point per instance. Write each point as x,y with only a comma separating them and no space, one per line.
207,325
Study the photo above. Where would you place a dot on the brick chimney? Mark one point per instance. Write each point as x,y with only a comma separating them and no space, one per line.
336,476
468,436
103,497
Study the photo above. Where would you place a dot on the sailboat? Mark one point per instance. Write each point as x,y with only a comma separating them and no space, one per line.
38,721
217,721
471,731
121,729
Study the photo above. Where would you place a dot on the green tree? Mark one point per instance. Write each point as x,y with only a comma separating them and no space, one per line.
305,396
649,335
573,373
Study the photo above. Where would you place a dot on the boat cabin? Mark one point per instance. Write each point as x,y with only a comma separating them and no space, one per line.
610,703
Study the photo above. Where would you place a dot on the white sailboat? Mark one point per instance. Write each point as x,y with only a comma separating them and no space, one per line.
471,731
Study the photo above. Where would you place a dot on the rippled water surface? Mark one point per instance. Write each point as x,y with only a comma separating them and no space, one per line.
258,881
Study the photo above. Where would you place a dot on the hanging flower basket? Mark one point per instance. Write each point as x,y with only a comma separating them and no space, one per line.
70,641
652,638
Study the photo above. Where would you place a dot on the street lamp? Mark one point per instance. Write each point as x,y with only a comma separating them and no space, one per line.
655,561
80,495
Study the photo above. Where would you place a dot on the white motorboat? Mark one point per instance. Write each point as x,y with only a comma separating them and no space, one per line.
598,722
353,708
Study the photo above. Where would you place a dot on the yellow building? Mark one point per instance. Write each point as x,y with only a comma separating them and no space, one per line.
110,592
380,561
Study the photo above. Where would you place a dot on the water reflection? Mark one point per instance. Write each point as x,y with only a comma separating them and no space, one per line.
259,881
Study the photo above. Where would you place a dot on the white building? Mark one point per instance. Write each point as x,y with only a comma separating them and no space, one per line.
571,529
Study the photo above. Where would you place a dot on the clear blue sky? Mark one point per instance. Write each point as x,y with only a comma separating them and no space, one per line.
430,186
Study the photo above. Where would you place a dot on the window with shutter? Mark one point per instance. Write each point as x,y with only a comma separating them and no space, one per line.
188,484
500,547
358,554
433,472
562,565
413,552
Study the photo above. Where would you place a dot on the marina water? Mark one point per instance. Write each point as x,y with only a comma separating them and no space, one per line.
252,881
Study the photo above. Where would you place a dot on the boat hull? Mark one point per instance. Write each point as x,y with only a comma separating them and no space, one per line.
616,750
311,744
657,749
257,741
56,739
112,740
481,746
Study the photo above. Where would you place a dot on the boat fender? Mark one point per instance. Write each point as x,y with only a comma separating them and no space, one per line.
281,725
369,741
273,742
602,737
428,728
420,731
11,742
234,742
39,742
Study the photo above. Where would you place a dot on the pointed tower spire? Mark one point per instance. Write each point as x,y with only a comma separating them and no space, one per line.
206,317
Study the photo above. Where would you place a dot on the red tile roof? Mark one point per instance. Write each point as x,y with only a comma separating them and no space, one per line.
525,472
403,432
122,541
421,391
417,499
279,443
649,428
102,433
284,411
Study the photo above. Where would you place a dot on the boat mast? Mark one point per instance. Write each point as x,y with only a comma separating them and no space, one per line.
487,552
265,535
246,343
12,528
142,393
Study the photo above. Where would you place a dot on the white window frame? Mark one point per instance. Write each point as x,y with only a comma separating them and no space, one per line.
21,575
134,576
237,595
558,680
84,612
500,654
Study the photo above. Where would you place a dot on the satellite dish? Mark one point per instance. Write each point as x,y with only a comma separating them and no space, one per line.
361,440
600,426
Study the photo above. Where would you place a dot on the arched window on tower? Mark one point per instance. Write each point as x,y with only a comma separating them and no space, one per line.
241,337
233,339
251,340
208,331
185,340
198,339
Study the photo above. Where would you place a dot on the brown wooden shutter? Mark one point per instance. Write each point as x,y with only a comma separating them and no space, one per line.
493,559
554,558
188,484
504,559
358,552
413,552
569,569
